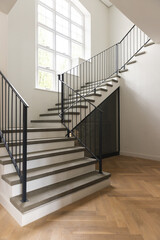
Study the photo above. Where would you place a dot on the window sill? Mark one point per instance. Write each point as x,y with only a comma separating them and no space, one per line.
46,90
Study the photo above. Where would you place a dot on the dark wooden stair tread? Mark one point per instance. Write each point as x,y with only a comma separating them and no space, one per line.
56,191
37,173
43,154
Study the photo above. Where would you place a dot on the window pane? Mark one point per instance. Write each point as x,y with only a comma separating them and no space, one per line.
77,51
62,45
49,3
63,64
77,33
76,16
45,16
45,80
62,7
45,38
45,59
62,25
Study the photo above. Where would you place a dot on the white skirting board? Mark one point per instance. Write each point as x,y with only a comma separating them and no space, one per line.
140,155
46,209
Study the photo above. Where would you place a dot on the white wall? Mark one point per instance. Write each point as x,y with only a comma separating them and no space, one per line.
119,25
99,25
140,98
21,46
3,42
140,106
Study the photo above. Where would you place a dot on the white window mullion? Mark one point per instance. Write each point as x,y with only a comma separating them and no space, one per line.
61,57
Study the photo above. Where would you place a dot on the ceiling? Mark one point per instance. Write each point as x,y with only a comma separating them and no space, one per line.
6,5
144,13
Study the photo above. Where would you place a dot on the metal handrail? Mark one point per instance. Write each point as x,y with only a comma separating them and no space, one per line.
13,118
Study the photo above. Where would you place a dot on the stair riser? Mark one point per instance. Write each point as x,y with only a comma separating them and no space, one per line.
41,147
38,135
11,191
9,168
58,125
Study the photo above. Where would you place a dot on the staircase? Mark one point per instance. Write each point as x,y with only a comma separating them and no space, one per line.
45,167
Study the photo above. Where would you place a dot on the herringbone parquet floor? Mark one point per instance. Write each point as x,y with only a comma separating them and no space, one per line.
128,210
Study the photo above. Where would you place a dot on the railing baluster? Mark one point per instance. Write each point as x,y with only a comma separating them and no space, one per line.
24,176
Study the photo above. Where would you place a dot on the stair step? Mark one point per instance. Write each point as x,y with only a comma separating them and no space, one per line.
35,133
48,121
140,53
57,108
122,71
70,102
45,195
39,141
30,130
43,154
90,95
149,44
41,172
108,79
57,114
131,62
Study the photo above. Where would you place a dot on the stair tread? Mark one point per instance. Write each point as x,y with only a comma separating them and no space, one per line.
44,154
140,53
41,140
93,89
149,44
50,193
49,121
73,101
57,108
108,79
47,129
131,62
56,114
89,95
125,70
36,173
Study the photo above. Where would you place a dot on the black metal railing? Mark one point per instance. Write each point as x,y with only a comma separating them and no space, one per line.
13,129
130,45
74,113
77,85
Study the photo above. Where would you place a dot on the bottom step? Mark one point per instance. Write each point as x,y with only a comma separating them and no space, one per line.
49,199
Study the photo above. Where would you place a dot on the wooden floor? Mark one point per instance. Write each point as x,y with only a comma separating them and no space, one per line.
128,210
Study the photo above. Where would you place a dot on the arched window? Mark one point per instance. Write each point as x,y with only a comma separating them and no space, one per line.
63,35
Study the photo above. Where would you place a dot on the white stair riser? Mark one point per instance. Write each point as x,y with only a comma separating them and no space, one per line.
52,118
58,125
46,181
41,147
9,168
38,135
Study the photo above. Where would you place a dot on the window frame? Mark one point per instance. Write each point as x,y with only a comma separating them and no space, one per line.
55,33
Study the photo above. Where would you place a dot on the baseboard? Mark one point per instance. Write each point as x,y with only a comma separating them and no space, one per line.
110,155
140,155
